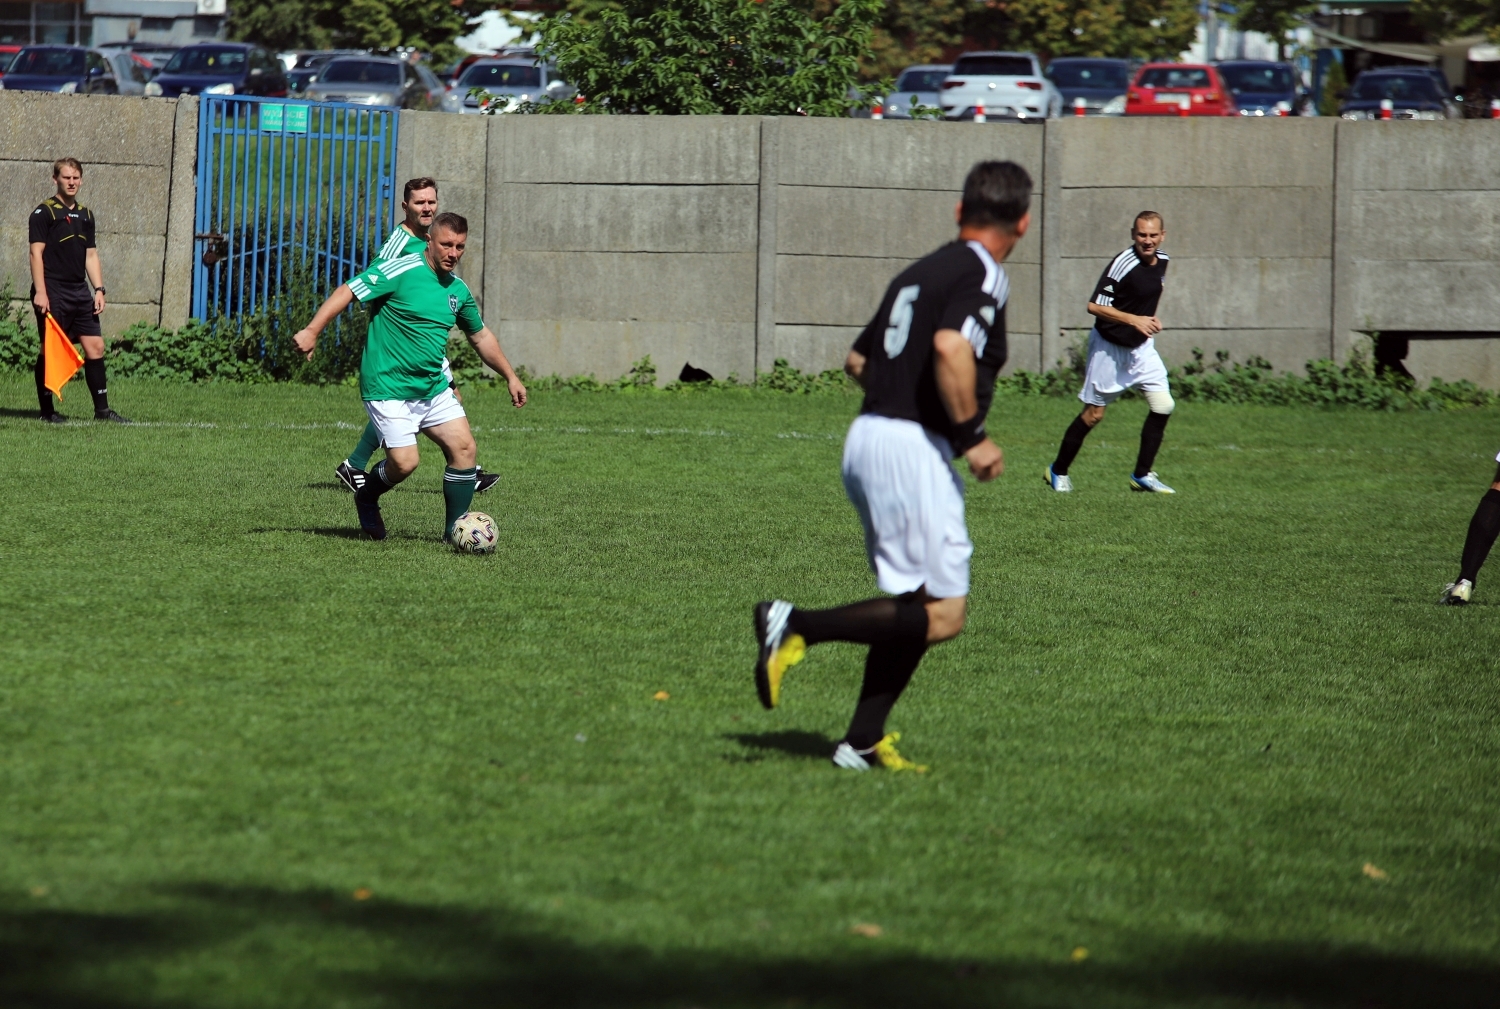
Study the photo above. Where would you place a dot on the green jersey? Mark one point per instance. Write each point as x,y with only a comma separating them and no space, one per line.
400,242
412,308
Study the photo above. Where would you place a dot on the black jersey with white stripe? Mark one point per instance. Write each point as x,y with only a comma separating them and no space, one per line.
960,286
1131,286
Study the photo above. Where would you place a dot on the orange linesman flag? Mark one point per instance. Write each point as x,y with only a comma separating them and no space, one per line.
61,358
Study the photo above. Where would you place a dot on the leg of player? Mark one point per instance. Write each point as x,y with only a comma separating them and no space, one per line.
93,373
43,394
457,443
351,472
1483,528
1057,473
1144,478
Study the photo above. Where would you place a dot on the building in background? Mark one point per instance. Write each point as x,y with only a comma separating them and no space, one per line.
1382,33
59,23
177,22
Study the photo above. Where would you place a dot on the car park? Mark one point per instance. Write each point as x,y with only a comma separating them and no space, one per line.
132,72
305,71
920,85
1166,89
1101,83
1414,93
377,80
158,54
510,81
66,70
1265,88
220,68
1006,85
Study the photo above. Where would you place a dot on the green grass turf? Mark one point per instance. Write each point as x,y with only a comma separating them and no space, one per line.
1173,734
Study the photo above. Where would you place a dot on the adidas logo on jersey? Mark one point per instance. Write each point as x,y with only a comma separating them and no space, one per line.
987,313
1110,288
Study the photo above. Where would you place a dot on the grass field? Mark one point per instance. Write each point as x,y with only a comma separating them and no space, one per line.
247,760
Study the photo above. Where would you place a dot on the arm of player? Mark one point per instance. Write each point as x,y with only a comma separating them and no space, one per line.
307,339
38,278
490,353
955,370
1146,325
96,278
854,367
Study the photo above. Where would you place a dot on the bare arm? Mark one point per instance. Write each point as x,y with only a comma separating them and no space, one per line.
1147,325
96,278
490,353
307,339
955,369
38,279
854,367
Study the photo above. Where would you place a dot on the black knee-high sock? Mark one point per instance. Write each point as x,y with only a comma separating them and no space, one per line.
43,394
376,485
1151,432
872,622
888,669
1483,528
93,374
1071,443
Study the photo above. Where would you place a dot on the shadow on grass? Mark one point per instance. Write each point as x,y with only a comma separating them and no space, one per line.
32,414
342,533
794,742
270,948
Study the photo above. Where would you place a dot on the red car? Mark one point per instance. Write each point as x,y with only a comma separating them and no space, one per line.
7,55
1161,89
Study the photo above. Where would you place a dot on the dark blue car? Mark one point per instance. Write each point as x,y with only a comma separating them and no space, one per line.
1101,83
67,70
220,68
1264,88
1414,93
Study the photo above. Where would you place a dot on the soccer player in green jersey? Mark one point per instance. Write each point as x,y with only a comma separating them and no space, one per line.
419,201
413,302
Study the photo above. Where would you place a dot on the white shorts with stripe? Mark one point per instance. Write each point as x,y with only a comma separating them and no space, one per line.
1112,369
399,420
900,478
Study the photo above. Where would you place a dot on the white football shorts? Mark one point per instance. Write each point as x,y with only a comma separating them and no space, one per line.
1112,369
399,420
900,478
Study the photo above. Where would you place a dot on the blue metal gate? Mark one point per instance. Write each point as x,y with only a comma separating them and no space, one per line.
287,190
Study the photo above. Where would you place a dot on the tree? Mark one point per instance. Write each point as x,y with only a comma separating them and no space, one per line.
1449,19
426,25
1273,18
705,57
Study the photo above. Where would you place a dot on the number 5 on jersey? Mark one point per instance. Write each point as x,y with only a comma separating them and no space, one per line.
900,322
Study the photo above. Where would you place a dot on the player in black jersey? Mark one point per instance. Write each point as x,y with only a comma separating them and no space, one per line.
927,361
1483,528
1122,353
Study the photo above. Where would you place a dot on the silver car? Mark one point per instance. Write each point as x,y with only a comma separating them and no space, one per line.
132,73
921,84
511,81
1008,86
377,80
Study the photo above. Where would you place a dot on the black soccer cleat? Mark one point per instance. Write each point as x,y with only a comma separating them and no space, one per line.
350,477
780,650
111,416
484,481
53,418
369,517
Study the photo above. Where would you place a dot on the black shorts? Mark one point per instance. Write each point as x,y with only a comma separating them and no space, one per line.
74,311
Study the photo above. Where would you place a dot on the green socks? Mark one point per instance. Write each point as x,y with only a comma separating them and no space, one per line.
458,492
368,443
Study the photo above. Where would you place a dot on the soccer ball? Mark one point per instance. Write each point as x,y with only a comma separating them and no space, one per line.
475,533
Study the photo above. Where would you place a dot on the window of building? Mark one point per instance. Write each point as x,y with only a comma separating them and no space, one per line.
58,23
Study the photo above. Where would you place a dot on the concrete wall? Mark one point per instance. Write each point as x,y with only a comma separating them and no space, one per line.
730,242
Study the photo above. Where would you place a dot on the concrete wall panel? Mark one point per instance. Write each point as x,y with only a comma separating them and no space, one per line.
1286,349
95,129
591,218
628,287
1476,360
635,150
1146,152
1281,221
1422,224
1432,296
1463,154
607,348
865,154
1217,293
177,260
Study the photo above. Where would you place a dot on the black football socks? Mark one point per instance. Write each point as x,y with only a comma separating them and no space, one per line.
375,485
43,394
458,494
872,622
1071,443
93,374
1151,432
888,669
1483,528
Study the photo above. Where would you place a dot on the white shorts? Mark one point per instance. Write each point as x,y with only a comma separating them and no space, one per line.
1112,369
399,420
900,478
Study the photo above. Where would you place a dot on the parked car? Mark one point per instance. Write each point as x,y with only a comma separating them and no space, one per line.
511,81
220,68
7,56
1265,88
65,69
158,54
377,80
1414,94
1160,89
305,72
921,84
1008,85
132,72
1100,83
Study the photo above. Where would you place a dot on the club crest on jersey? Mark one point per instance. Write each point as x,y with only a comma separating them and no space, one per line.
453,303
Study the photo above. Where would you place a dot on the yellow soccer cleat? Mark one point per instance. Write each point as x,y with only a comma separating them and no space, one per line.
779,651
885,753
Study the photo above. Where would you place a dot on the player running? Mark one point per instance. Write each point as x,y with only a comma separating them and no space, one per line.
1122,354
1483,528
419,201
413,302
927,362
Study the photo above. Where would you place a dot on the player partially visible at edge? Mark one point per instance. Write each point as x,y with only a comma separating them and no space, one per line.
1483,528
413,302
419,201
1122,354
927,362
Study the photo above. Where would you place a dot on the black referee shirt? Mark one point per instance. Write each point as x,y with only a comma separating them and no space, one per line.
960,286
68,235
1131,286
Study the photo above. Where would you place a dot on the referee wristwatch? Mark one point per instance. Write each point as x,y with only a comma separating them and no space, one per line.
100,290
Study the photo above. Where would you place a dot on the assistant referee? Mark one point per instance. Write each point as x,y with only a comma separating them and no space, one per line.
66,281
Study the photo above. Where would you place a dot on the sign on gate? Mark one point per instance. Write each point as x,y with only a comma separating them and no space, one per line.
289,192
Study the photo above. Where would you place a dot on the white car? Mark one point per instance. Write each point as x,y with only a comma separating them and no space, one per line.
1009,86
